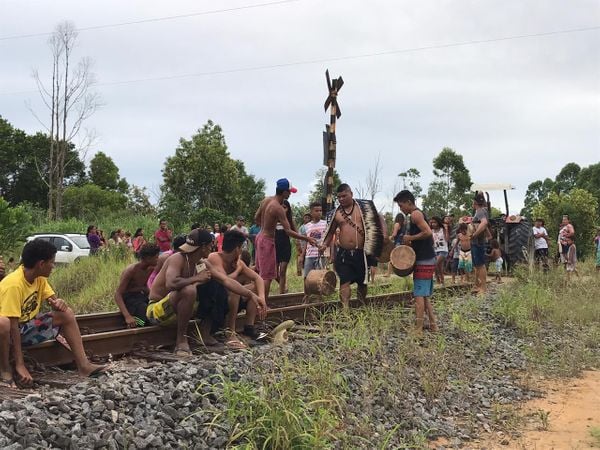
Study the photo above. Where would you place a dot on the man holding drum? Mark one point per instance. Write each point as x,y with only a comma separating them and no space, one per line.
419,236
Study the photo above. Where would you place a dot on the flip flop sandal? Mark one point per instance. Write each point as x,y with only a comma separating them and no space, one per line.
183,353
10,383
235,344
99,371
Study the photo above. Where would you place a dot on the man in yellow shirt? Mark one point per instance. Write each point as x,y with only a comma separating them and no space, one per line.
21,323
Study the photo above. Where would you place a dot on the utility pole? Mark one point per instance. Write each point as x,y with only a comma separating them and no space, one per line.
329,140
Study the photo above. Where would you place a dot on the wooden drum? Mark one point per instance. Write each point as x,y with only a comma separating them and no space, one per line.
403,260
321,282
388,246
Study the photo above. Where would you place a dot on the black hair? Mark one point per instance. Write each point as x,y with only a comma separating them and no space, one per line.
194,226
315,204
179,241
479,199
343,187
148,251
138,232
90,228
233,239
462,227
399,218
405,196
37,250
113,234
162,220
540,220
438,220
494,243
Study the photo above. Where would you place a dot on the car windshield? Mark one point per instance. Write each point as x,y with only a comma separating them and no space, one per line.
80,241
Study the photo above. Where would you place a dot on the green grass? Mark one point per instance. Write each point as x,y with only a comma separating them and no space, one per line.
90,284
595,433
559,319
295,406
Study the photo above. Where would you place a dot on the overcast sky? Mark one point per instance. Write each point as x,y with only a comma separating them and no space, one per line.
516,109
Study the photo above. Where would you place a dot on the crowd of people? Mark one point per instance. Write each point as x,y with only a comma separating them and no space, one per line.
212,273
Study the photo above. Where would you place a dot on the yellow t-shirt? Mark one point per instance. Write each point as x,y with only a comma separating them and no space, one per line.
20,299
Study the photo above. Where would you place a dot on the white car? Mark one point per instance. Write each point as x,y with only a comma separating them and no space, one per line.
69,247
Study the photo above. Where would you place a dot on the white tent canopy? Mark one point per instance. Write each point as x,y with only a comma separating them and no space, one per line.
491,187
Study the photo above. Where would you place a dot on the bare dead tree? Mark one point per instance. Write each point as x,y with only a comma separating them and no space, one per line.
372,185
70,102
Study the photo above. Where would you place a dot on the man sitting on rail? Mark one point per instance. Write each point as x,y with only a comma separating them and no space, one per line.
21,295
173,294
244,287
132,294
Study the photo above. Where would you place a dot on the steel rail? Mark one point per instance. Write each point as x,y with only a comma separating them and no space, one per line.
110,321
124,341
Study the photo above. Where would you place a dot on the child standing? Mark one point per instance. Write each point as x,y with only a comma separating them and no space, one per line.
465,263
496,259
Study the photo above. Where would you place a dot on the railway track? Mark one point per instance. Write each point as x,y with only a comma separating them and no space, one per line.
102,322
106,336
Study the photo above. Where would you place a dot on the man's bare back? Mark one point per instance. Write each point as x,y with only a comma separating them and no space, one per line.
159,287
269,214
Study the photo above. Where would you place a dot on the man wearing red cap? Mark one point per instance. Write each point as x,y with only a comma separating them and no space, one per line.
267,216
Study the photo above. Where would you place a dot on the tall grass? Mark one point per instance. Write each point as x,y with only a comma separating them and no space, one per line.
295,406
559,318
89,285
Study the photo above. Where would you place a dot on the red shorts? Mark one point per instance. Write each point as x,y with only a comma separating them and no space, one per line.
266,259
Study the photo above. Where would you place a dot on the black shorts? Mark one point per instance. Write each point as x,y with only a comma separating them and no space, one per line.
283,246
213,303
372,261
136,303
350,266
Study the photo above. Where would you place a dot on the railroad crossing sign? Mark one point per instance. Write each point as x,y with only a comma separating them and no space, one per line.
329,140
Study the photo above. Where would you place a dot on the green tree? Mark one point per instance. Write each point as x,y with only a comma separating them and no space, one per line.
410,181
138,201
91,202
15,225
202,176
320,185
582,208
536,192
104,173
449,192
24,166
589,179
567,178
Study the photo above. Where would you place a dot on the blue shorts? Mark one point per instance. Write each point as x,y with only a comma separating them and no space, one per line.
312,263
422,288
38,329
443,254
478,254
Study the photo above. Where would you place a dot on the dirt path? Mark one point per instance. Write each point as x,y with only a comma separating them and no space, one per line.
563,419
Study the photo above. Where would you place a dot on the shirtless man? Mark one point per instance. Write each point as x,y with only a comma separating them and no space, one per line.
132,293
173,296
228,269
350,263
267,216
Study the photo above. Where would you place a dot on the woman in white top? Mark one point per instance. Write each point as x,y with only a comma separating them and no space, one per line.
440,245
